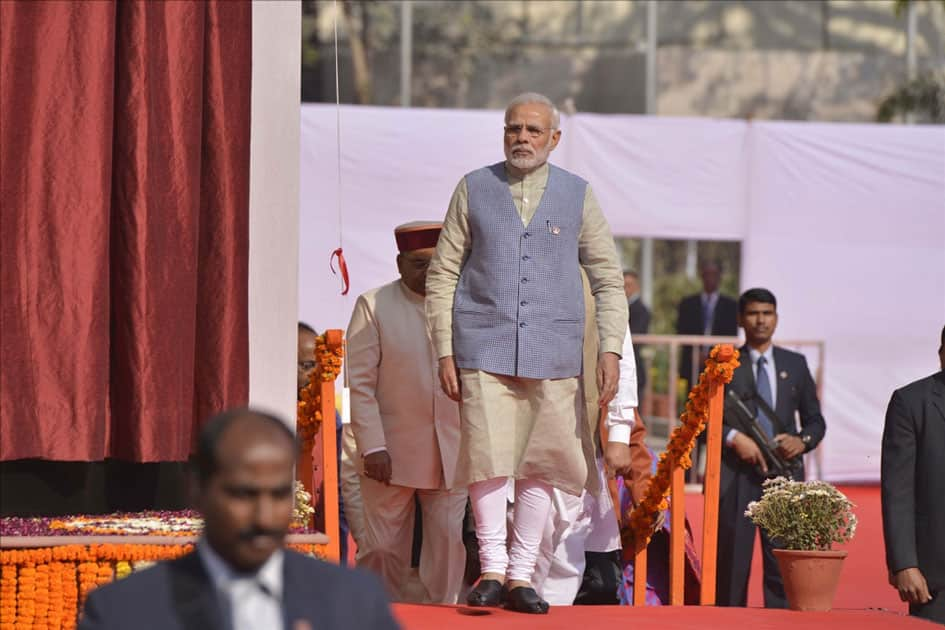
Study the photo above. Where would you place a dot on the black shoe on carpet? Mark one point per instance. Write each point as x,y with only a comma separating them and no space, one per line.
524,599
486,593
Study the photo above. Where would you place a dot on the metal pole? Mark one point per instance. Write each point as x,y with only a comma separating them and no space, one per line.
652,37
406,50
692,258
910,50
646,271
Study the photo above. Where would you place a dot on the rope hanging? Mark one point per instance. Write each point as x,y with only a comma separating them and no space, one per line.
339,253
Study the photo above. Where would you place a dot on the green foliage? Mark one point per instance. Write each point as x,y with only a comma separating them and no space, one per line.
803,515
900,6
924,96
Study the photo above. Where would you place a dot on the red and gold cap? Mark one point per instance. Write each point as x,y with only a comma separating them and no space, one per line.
417,235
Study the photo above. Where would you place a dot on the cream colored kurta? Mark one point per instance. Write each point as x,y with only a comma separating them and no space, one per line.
396,399
526,428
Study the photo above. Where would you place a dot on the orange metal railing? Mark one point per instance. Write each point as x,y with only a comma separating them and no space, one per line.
318,467
677,497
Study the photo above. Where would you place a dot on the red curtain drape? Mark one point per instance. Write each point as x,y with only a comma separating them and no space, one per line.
124,180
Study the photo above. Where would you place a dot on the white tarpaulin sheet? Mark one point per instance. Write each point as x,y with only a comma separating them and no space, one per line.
845,223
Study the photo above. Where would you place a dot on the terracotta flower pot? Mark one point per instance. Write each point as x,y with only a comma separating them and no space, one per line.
810,577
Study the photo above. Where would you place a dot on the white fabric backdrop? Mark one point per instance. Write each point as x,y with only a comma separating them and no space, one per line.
847,228
845,223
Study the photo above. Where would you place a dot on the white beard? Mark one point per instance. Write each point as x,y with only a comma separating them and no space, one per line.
529,162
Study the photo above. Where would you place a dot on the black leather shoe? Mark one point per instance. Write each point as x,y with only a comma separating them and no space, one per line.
486,593
524,599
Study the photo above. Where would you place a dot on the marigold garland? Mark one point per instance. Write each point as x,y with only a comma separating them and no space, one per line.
45,587
41,596
328,363
7,595
26,596
719,368
70,594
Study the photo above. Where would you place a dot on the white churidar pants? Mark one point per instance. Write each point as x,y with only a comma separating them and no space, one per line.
515,558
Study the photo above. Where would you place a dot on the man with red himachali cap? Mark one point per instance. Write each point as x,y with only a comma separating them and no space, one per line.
407,430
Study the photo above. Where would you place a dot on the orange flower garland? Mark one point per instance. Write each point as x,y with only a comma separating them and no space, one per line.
41,596
7,595
45,587
327,367
54,612
26,596
719,368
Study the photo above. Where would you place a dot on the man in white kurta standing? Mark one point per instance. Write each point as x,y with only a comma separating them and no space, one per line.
506,309
407,431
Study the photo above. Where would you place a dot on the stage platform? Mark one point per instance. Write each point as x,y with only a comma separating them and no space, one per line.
413,617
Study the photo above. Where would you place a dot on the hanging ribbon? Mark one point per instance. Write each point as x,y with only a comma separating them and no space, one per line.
342,267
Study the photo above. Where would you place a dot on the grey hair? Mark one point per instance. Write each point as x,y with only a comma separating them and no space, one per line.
527,98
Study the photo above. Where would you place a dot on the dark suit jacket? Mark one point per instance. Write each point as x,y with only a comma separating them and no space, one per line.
796,396
689,322
179,595
639,325
913,482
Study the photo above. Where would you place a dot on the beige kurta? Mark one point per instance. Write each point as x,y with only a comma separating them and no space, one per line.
526,428
397,405
396,400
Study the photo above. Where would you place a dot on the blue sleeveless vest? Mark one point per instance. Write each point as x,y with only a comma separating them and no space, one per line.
519,305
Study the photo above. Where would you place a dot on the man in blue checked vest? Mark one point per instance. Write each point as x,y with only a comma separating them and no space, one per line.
506,310
773,378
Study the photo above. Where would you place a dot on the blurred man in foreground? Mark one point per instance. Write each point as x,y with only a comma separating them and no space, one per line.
240,575
913,493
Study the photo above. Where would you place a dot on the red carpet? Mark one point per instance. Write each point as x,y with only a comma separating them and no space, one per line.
864,600
414,617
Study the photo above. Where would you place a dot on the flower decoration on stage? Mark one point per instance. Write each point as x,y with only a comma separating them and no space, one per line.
144,524
328,362
302,510
803,515
641,521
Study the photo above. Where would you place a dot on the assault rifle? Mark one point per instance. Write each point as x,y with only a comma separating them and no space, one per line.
742,419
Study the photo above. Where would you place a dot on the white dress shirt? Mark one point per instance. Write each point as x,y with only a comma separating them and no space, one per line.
772,372
249,601
620,411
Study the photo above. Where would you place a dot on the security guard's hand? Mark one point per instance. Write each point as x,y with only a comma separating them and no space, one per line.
608,373
912,586
748,451
790,446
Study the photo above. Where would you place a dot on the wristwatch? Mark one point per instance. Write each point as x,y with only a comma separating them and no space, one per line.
806,440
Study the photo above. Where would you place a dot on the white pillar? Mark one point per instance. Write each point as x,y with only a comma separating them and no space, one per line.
274,207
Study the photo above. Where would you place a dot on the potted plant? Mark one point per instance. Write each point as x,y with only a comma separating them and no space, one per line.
805,518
